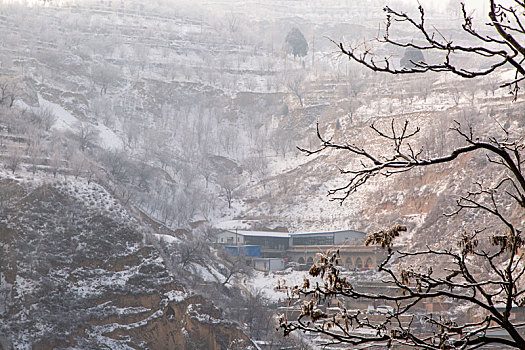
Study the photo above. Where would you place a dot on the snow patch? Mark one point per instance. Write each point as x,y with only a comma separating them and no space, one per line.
175,295
204,273
166,238
68,122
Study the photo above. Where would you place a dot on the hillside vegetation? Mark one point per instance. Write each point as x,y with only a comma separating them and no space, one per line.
129,129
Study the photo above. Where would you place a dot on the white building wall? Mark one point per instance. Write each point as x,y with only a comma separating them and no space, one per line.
230,238
269,264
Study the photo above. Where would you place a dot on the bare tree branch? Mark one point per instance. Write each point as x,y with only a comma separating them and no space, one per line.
486,270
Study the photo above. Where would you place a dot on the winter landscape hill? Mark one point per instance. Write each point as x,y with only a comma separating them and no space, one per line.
129,131
78,272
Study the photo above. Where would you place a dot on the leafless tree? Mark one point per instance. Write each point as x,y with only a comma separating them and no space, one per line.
44,117
484,271
78,163
142,172
232,22
86,135
235,265
356,82
295,83
102,108
191,251
281,141
56,160
227,139
502,282
34,151
498,49
256,165
353,106
456,96
7,93
141,52
117,163
424,87
491,86
132,131
105,75
206,169
14,158
228,183
256,315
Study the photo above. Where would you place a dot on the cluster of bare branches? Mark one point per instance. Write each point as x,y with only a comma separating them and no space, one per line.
499,49
484,271
495,290
494,295
404,158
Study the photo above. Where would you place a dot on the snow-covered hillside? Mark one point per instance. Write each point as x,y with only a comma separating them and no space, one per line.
77,273
132,116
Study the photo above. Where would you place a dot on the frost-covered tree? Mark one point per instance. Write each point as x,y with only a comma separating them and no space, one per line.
86,135
7,92
484,271
44,117
14,160
296,84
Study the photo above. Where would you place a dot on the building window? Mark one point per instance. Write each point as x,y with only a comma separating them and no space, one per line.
313,240
359,263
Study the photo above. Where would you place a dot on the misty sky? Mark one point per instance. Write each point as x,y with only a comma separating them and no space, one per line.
437,4
479,5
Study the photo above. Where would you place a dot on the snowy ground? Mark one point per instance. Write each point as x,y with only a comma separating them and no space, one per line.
269,282
68,122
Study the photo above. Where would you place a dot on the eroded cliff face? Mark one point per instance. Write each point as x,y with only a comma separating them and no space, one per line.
75,273
192,323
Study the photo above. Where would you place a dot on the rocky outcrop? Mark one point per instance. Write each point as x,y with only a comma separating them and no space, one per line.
75,273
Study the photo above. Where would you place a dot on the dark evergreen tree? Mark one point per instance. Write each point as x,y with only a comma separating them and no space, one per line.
295,43
412,57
